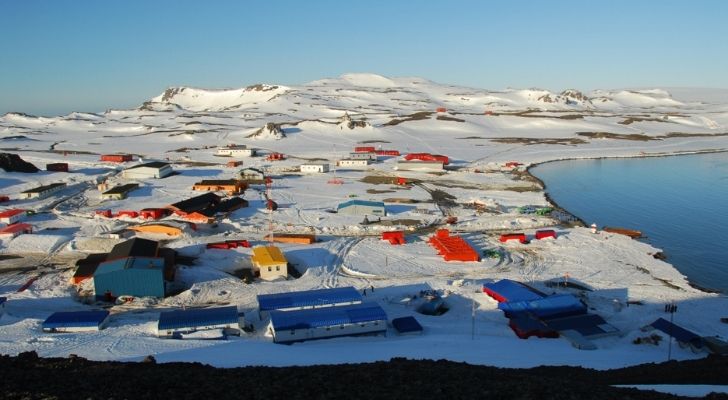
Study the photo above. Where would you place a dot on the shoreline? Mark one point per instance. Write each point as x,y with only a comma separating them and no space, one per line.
583,223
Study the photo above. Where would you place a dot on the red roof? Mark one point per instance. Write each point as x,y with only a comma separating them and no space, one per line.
14,228
11,213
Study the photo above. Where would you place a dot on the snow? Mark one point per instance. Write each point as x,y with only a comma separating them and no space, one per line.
682,390
186,125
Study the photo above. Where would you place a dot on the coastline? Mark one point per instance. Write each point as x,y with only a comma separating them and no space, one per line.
583,223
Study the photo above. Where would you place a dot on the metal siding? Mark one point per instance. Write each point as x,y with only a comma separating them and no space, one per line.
512,290
131,282
75,319
560,304
197,317
309,298
330,316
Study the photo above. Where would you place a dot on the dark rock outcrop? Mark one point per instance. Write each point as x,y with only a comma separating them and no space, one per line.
13,163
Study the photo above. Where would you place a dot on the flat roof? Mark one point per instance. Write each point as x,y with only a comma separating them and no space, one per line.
219,182
268,255
139,263
75,319
152,164
196,203
136,247
308,298
44,188
365,203
328,316
11,212
121,189
197,317
406,325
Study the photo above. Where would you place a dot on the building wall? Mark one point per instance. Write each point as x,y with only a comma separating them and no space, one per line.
13,218
419,166
276,271
315,168
166,333
236,152
363,210
132,282
295,335
113,196
44,194
363,156
353,163
147,173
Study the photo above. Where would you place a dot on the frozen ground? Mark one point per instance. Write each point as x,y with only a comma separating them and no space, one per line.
481,130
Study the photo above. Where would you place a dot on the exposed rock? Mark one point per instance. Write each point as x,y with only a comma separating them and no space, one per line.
347,122
13,163
270,130
260,88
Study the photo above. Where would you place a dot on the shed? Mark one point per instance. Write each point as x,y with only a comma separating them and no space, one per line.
362,207
407,326
554,306
314,168
307,299
14,230
41,192
506,290
270,262
119,192
57,167
12,216
176,322
131,276
150,170
301,325
76,321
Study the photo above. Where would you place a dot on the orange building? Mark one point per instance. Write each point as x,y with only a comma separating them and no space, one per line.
231,186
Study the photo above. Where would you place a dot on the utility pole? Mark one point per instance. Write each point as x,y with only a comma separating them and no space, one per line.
672,309
472,320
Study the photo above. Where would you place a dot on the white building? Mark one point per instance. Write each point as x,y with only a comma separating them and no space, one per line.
235,151
314,168
150,170
42,192
426,166
349,163
179,322
363,156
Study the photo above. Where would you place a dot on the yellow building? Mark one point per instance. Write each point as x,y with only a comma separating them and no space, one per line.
270,262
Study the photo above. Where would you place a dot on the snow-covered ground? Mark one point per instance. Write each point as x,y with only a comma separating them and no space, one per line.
479,132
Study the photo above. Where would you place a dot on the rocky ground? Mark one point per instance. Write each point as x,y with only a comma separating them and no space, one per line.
29,377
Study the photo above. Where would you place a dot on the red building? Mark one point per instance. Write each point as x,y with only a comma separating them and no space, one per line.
453,248
394,237
441,109
153,213
15,230
521,237
546,233
427,157
12,216
364,149
387,153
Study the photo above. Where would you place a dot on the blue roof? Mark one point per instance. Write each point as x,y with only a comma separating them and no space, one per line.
308,298
75,319
197,317
406,325
365,203
679,333
552,306
586,324
328,316
119,264
512,290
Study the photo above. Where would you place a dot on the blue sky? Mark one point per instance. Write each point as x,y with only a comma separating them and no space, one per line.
76,55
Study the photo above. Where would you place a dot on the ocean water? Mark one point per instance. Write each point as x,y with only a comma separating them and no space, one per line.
680,203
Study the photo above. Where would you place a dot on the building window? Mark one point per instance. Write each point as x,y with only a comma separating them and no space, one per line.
278,267
269,269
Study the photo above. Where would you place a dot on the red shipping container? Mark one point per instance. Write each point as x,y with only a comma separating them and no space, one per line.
441,109
394,237
116,157
521,237
127,213
546,233
364,149
104,213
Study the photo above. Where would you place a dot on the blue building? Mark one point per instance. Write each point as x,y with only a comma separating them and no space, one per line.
362,207
309,299
319,323
178,322
76,321
130,276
